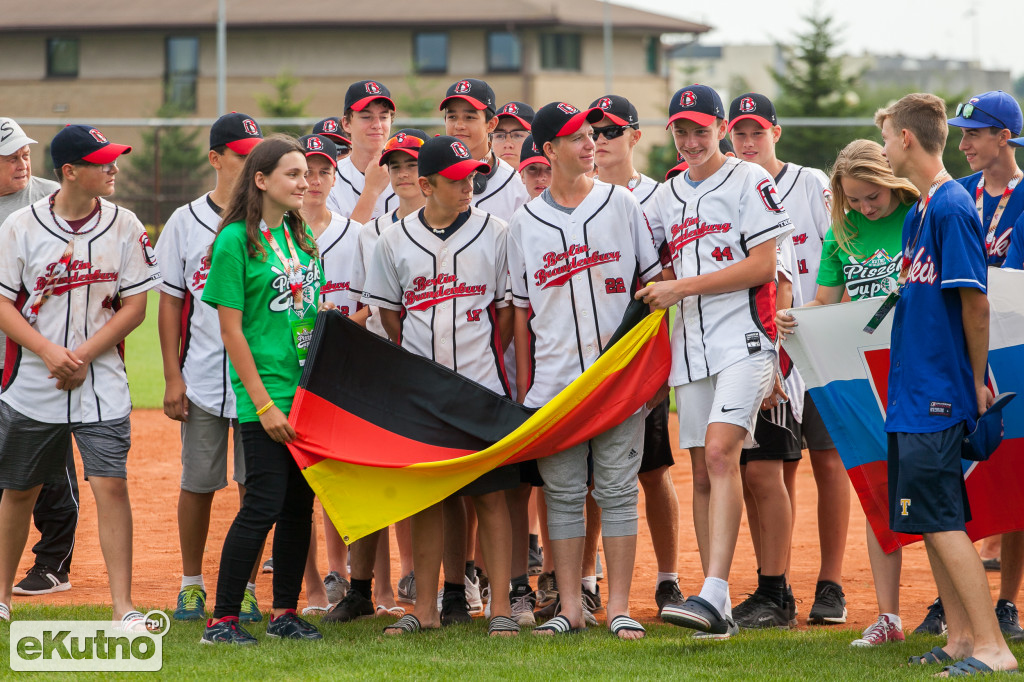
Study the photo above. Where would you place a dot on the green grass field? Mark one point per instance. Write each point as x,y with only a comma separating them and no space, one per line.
142,359
359,650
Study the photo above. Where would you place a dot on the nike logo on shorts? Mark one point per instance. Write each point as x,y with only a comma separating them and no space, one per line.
731,409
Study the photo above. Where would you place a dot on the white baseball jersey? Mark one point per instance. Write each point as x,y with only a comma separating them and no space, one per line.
645,190
577,274
448,291
806,196
111,259
183,251
348,187
362,263
504,194
708,228
339,249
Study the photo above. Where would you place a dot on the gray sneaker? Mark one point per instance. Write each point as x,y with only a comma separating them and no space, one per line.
337,587
407,589
523,600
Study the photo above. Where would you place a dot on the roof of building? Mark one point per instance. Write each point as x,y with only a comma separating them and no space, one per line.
123,15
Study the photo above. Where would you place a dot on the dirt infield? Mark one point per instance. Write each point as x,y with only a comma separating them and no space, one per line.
154,472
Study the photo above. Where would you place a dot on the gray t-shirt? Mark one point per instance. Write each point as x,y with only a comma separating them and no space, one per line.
37,189
550,201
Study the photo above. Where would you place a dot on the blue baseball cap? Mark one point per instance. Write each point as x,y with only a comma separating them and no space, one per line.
697,103
995,109
83,143
988,434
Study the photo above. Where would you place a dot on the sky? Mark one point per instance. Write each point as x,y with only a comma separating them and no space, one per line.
915,28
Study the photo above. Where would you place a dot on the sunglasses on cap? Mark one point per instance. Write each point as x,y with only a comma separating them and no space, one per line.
967,110
403,142
609,132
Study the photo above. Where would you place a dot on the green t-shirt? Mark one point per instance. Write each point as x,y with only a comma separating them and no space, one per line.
260,290
874,266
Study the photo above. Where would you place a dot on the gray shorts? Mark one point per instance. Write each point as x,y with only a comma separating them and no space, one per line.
813,428
204,451
33,453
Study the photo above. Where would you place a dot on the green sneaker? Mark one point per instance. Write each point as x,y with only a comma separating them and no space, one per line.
191,604
250,612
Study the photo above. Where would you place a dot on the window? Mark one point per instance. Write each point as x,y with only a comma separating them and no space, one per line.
504,52
653,54
560,51
62,57
430,52
182,72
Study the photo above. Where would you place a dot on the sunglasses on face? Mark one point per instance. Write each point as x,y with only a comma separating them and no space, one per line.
609,132
966,110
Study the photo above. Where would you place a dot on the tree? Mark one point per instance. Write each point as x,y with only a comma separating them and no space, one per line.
282,104
1018,87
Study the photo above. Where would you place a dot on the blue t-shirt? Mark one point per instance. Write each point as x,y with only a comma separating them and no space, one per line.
1015,254
996,249
931,383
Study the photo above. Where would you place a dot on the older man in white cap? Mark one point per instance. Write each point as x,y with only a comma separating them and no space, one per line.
18,187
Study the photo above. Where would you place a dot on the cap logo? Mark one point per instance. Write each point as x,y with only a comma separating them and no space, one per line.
973,100
460,150
568,109
604,103
250,126
510,108
330,126
747,105
462,87
687,99
400,138
98,136
314,144
373,88
535,150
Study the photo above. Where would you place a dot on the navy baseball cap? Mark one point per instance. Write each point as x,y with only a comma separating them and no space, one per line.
331,128
83,143
239,132
449,157
697,103
618,110
979,445
994,109
520,111
361,93
477,92
321,145
557,119
408,140
755,107
530,154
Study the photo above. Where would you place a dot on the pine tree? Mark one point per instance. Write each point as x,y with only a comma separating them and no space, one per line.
283,105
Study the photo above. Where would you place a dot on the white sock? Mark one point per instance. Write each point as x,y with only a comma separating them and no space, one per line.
716,592
662,577
894,619
251,587
590,583
187,580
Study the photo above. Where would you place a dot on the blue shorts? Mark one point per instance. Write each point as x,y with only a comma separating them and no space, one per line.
927,493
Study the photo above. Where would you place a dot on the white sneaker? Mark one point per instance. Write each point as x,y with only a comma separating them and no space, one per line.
476,603
881,631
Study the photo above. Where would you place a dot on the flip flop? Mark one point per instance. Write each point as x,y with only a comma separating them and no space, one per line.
936,655
5,612
133,621
970,666
502,624
396,611
624,623
406,625
559,625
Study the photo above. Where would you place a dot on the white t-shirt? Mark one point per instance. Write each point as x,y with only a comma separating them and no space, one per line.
339,248
111,258
348,187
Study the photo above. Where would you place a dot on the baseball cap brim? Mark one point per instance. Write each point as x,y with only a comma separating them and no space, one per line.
576,122
337,138
695,116
107,153
477,104
361,104
961,122
617,120
1017,142
676,170
243,146
522,121
17,141
462,169
534,159
414,153
334,161
761,120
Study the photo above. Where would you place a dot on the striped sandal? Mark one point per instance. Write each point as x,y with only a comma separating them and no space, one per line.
559,625
406,625
500,625
133,621
625,624
5,612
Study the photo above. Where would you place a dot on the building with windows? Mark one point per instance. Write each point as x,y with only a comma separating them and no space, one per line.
111,59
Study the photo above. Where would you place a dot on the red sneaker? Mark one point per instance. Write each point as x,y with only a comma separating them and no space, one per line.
881,631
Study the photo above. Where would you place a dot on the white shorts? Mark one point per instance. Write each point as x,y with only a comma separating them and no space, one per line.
733,396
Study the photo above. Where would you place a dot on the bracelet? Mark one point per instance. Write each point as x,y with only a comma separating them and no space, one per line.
259,412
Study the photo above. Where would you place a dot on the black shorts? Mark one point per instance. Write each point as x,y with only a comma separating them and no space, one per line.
502,478
812,427
927,493
657,448
529,473
777,434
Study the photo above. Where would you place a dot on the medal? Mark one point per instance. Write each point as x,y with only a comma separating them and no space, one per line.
292,269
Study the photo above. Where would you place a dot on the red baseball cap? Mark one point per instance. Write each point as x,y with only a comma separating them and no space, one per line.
558,119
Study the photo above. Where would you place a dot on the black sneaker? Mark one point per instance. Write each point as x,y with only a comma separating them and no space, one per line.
829,605
698,614
41,580
1006,614
934,622
791,605
455,609
592,600
353,605
760,611
227,631
290,626
668,592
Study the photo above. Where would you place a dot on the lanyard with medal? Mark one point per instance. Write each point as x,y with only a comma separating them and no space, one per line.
892,299
60,268
302,329
979,201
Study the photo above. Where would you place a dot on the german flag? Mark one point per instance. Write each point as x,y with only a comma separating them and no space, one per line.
383,434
